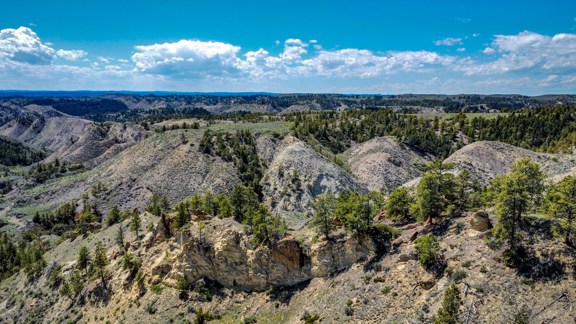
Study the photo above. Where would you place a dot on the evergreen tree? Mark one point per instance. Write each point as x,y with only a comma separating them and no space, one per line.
561,205
113,217
466,193
398,204
135,223
433,193
428,249
120,238
518,191
324,207
182,214
83,258
100,262
450,312
210,204
224,206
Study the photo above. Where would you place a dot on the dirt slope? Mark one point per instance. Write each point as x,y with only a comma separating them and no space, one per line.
490,159
72,139
384,164
297,174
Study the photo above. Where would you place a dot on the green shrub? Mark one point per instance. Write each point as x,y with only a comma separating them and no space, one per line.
428,249
458,275
157,289
449,313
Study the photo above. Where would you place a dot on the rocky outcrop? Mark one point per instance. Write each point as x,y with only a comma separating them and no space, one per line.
383,163
333,256
297,175
490,159
231,260
72,139
480,221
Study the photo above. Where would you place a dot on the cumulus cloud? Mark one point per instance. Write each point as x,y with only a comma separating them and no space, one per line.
72,55
529,51
524,61
450,41
187,58
23,45
488,50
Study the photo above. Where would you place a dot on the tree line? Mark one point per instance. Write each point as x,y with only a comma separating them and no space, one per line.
545,129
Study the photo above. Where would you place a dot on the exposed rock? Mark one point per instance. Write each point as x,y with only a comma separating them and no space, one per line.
72,139
328,256
490,159
398,241
297,175
411,254
480,221
289,253
427,281
229,259
379,278
383,164
413,234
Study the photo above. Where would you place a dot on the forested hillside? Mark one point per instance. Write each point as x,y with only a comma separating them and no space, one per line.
15,153
546,129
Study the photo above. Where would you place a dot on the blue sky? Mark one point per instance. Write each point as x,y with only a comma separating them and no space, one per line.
293,46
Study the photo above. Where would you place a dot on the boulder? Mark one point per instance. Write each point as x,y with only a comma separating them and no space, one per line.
411,254
480,221
398,241
427,281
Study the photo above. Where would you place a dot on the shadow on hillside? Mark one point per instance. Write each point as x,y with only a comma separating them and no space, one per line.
441,228
101,296
285,294
538,268
537,228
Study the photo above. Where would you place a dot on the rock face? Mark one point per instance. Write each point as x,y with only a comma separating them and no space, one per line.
329,257
382,164
297,175
480,221
230,259
490,159
72,139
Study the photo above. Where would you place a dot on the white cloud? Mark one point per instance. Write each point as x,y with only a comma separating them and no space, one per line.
488,50
72,55
187,58
528,51
23,45
450,41
526,63
293,49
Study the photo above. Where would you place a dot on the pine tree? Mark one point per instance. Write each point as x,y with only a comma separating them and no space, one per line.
561,205
324,207
450,312
433,192
83,258
182,214
518,191
100,261
120,238
135,224
398,204
113,217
